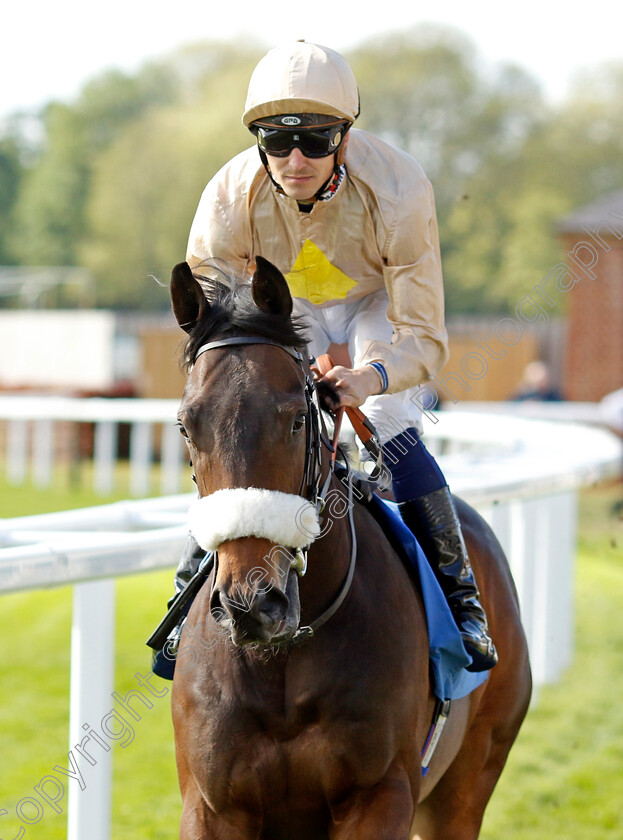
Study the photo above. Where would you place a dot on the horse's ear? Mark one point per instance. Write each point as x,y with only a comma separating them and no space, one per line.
270,290
187,298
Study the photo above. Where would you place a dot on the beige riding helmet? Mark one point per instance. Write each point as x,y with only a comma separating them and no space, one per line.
301,78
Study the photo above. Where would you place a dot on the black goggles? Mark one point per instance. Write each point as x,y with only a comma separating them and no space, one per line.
312,142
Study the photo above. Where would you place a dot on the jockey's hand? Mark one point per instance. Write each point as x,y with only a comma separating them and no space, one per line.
354,386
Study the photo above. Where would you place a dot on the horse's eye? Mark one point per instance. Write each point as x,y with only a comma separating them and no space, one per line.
183,431
298,424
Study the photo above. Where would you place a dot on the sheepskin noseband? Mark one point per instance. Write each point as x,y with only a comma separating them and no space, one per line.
285,519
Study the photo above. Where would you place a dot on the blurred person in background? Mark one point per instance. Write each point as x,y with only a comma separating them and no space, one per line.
536,385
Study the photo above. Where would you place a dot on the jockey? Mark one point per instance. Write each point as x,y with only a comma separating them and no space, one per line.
350,221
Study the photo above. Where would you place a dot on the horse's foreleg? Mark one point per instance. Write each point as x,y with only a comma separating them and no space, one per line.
383,812
199,822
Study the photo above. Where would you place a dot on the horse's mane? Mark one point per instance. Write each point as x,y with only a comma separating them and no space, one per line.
232,311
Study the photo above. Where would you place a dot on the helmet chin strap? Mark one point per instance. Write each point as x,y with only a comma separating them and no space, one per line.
340,155
264,159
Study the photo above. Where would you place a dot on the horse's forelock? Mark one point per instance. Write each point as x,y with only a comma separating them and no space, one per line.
232,310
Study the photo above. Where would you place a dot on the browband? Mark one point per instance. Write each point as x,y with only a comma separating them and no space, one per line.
248,339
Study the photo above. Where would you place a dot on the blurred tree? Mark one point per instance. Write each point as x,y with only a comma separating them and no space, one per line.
117,178
434,100
49,220
10,177
467,125
579,150
498,245
500,240
417,99
113,100
146,185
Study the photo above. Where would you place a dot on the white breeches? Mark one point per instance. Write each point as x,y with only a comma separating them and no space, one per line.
356,324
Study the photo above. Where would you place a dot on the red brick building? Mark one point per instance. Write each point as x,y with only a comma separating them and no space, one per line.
593,239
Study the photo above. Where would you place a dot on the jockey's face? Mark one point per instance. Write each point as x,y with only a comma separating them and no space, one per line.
301,177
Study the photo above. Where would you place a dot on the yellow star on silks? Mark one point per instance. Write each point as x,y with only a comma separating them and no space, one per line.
315,279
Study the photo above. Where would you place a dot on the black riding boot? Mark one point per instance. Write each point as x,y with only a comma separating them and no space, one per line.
191,557
434,521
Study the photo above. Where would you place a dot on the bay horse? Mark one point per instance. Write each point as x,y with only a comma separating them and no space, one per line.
302,693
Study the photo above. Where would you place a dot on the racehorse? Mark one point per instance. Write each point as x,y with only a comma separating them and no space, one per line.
302,693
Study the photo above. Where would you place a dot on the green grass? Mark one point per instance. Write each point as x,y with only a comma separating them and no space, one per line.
73,488
564,776
34,677
34,715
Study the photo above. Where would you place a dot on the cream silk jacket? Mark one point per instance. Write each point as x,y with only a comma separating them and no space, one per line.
379,229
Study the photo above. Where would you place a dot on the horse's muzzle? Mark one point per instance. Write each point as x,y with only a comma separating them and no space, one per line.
268,617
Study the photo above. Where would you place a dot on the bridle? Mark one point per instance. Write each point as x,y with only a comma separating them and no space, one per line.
314,428
312,485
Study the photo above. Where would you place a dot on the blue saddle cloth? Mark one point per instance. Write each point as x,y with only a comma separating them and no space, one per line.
448,657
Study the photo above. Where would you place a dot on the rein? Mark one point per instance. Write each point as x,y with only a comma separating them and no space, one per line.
362,427
315,437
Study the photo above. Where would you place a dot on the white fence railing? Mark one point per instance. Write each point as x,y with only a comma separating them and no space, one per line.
522,475
35,425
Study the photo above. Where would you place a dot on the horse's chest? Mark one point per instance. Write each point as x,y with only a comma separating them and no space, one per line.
306,729
313,747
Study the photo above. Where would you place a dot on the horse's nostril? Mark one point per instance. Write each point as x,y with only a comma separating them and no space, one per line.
266,608
273,606
217,610
215,601
254,617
